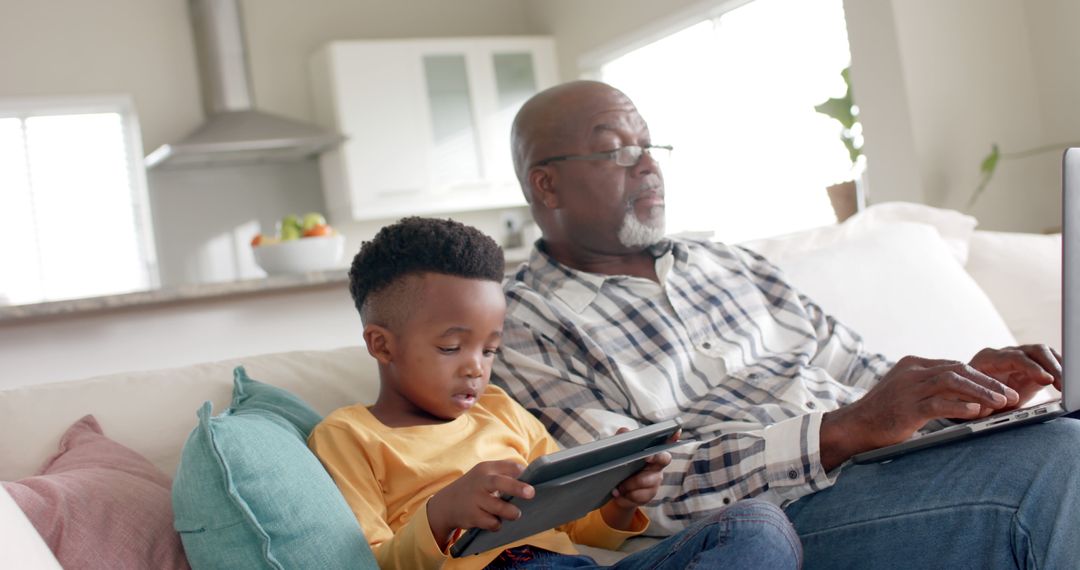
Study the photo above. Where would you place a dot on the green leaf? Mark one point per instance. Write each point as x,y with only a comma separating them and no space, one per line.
839,109
987,167
990,162
852,150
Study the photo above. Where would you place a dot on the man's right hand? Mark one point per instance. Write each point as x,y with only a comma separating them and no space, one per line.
914,392
473,500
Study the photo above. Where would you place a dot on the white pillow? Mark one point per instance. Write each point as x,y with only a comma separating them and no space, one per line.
1021,273
953,227
23,546
899,286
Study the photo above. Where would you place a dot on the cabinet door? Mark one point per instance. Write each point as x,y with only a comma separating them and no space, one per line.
427,121
518,72
380,102
453,143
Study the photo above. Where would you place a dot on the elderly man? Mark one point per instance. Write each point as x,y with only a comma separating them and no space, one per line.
611,324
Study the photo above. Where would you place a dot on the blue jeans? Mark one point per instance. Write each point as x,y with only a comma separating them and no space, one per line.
747,535
1007,500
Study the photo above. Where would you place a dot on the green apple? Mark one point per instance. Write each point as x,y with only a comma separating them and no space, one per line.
289,228
312,219
289,233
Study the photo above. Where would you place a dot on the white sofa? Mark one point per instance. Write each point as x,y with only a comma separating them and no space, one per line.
911,279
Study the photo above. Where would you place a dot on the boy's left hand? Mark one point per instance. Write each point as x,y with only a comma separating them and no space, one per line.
640,488
636,490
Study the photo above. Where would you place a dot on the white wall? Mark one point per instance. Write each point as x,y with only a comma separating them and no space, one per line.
939,82
878,84
57,47
1055,52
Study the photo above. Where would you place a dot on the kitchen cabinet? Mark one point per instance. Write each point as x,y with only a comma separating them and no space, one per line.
427,122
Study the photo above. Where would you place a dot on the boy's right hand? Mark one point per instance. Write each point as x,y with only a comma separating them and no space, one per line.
474,499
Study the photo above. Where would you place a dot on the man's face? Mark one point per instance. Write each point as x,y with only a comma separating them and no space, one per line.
604,206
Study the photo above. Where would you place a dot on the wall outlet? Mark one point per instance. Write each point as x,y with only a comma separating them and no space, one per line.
512,223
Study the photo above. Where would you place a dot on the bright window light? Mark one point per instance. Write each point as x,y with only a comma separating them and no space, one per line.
735,95
73,225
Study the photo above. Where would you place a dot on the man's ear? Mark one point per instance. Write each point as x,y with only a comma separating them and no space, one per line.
380,342
542,182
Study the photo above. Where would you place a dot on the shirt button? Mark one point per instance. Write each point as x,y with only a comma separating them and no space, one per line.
811,405
727,500
706,345
793,474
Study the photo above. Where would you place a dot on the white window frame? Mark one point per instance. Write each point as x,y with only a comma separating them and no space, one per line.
124,105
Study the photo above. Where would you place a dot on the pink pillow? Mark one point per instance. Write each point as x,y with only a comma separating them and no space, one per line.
98,504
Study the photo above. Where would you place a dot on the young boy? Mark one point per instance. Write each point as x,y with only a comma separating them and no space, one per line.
439,445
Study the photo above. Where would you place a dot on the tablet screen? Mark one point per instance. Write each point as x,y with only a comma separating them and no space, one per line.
572,482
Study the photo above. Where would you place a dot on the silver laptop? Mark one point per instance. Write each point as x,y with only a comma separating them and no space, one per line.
1070,320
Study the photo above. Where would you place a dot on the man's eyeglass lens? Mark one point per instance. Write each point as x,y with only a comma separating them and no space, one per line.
624,156
631,155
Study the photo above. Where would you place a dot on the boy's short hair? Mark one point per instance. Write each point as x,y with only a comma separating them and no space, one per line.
411,247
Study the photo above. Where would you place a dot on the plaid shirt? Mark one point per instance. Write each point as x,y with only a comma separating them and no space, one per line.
748,363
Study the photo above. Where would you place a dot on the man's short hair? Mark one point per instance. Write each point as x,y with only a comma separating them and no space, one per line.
379,278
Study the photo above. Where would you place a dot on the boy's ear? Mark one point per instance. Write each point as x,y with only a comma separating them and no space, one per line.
380,343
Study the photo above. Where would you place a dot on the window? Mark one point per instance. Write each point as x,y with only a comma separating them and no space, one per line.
73,199
735,95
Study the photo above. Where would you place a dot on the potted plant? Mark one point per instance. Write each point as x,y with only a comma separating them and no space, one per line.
846,197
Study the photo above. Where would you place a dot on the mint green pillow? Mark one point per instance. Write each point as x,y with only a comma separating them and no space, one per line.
249,494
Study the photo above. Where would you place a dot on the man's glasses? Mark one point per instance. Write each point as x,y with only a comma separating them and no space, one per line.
625,156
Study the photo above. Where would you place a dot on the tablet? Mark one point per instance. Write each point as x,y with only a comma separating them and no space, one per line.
572,482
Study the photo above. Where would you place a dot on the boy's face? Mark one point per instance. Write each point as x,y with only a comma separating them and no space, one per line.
442,353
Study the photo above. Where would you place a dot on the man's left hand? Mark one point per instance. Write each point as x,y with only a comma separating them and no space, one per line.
1026,369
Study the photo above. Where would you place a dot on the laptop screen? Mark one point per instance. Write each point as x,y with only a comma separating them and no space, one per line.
1070,277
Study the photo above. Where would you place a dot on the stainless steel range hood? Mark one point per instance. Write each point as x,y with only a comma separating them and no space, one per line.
234,132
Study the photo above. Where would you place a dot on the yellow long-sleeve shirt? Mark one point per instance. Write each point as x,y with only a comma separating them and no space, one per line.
388,474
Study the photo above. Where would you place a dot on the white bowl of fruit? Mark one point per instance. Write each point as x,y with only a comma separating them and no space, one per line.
301,245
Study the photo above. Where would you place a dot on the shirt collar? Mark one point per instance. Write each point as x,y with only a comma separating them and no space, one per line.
576,288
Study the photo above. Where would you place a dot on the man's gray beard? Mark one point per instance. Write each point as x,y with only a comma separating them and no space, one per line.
635,233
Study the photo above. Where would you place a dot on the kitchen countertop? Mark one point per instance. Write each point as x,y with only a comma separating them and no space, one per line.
183,293
10,314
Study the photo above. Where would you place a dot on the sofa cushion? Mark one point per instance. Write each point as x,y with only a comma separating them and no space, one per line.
900,286
1021,273
249,494
34,417
98,504
273,403
954,228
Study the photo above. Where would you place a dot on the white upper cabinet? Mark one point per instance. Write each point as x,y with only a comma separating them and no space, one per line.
427,121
